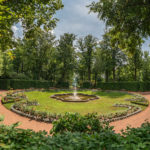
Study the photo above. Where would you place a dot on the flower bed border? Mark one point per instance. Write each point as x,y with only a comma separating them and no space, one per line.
126,116
50,120
30,116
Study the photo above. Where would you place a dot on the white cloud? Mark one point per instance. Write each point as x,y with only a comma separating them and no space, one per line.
146,45
74,18
18,30
14,28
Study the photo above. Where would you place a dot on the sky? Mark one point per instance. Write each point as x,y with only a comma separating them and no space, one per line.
75,18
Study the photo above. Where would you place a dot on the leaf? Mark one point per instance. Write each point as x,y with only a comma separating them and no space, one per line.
1,118
15,124
2,145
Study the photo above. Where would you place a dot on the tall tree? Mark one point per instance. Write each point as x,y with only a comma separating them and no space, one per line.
66,56
146,66
136,62
87,48
109,58
1,63
129,19
32,55
32,14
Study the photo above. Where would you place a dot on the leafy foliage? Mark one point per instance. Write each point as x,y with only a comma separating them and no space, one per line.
128,19
40,56
132,138
87,48
32,14
24,84
76,123
65,54
129,86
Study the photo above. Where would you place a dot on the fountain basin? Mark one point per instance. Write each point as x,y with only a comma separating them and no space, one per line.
80,97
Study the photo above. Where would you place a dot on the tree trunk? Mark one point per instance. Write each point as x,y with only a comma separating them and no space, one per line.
22,67
114,74
106,76
135,68
135,74
95,80
63,76
89,73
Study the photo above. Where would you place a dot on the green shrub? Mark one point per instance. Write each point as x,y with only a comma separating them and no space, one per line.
128,86
132,139
77,123
4,84
86,85
137,138
7,84
15,75
62,85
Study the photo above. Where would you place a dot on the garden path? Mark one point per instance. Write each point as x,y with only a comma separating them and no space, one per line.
26,123
136,120
133,121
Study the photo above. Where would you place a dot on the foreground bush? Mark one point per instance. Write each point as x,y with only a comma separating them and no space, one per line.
133,139
76,123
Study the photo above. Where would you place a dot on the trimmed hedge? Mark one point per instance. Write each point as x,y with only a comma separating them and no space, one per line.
62,85
86,85
129,86
6,84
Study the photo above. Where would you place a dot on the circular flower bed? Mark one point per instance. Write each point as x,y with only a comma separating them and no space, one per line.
139,100
22,109
12,97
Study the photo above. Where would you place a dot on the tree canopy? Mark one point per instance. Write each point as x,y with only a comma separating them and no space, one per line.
39,55
32,14
129,20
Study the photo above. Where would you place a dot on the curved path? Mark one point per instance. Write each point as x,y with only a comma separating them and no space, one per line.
136,120
26,123
133,121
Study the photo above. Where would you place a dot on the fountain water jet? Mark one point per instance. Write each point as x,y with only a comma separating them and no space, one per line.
75,97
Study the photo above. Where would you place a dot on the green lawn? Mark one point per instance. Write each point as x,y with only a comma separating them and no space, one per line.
104,105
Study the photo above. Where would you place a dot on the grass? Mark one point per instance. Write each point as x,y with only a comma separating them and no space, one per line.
104,105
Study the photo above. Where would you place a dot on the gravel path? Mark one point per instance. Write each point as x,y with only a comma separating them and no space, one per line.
133,121
136,120
26,123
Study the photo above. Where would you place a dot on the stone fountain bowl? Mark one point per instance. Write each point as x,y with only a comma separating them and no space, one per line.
80,97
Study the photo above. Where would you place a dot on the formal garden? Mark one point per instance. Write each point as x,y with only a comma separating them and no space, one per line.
67,88
44,105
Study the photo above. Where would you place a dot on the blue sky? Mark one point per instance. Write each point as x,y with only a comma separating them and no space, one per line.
74,18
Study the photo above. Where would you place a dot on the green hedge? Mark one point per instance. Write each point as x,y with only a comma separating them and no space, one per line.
129,86
62,85
6,84
86,85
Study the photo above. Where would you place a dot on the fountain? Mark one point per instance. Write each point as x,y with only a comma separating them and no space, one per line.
74,97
